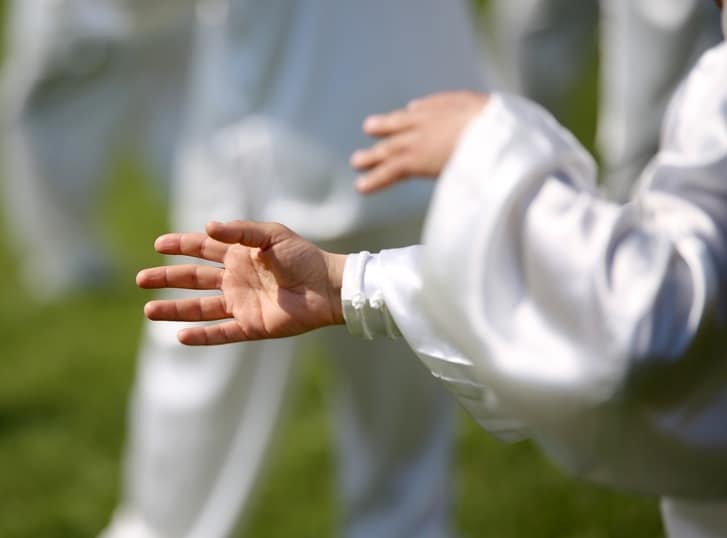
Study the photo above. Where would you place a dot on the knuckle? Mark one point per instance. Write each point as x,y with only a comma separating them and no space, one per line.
408,143
381,150
279,231
397,169
398,119
385,121
397,145
407,164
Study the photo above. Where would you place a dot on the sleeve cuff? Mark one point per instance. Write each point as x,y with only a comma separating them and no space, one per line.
364,306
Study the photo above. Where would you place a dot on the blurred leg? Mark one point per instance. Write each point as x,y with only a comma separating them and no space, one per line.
161,63
646,49
201,422
687,519
65,97
200,425
394,427
394,431
77,80
201,418
398,427
543,45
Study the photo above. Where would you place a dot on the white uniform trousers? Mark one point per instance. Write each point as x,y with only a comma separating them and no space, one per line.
689,519
77,82
646,48
277,93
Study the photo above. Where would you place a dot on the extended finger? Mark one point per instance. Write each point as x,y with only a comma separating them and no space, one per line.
383,176
364,159
211,335
260,235
199,245
196,309
193,277
386,124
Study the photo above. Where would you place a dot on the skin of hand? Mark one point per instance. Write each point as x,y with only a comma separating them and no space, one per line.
415,141
274,283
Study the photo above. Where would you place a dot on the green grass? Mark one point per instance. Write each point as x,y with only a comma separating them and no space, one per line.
64,378
65,372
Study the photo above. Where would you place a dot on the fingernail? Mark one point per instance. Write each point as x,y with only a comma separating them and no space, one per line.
371,122
161,242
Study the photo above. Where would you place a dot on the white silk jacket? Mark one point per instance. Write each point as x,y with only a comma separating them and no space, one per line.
600,328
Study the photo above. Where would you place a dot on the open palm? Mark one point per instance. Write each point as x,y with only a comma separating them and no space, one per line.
273,283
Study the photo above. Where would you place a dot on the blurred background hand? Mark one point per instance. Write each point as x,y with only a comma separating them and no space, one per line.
415,141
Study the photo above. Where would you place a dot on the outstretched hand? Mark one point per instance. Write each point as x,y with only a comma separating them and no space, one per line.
273,283
415,141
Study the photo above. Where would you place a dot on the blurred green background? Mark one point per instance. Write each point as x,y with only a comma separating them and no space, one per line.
65,373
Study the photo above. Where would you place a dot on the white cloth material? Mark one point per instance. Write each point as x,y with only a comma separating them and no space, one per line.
278,93
542,46
402,290
599,326
78,83
645,50
276,112
688,519
364,309
130,17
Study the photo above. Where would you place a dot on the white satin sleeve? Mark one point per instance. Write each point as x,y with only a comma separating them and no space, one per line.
382,297
599,326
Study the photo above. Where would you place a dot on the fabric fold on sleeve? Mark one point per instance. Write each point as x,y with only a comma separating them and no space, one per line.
382,297
599,326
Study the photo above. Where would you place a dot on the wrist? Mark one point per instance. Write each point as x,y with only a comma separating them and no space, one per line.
335,264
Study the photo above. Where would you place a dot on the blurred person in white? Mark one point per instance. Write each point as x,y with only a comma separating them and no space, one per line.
277,93
81,79
645,47
599,327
